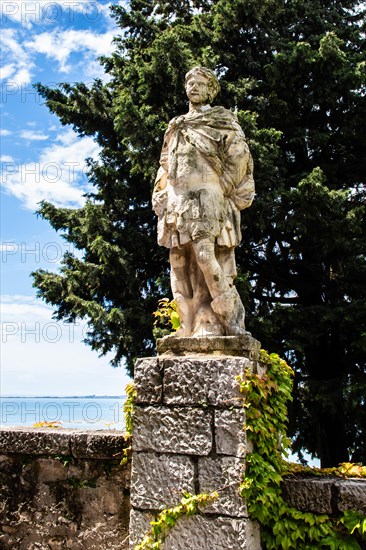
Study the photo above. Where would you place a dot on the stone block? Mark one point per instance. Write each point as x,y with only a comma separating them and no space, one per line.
204,533
148,381
157,482
35,441
351,495
105,496
139,525
230,436
309,495
223,474
97,444
51,470
242,346
207,381
173,430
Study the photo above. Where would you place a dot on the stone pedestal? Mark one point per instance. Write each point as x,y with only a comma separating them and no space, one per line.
188,437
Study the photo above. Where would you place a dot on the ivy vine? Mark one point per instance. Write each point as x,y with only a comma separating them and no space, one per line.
128,412
283,527
165,520
166,318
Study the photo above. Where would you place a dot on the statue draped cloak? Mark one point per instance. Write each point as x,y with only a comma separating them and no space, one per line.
208,142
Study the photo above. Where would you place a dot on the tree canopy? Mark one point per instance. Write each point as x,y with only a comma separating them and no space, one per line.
295,73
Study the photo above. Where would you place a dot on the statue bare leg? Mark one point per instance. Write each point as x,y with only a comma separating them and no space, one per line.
181,288
226,258
205,320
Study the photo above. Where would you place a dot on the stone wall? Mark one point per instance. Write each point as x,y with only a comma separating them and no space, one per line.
63,489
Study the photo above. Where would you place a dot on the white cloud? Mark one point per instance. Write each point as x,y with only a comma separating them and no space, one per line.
61,45
7,70
58,46
11,43
33,135
18,70
18,308
23,75
39,355
28,318
58,175
4,132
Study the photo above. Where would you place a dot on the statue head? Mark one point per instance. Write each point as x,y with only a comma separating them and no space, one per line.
208,81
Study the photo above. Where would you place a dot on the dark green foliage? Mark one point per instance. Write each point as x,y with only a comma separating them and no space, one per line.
295,72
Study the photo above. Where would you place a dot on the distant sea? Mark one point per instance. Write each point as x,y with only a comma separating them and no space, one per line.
85,412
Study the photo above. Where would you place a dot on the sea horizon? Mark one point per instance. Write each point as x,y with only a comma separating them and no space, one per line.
70,396
67,411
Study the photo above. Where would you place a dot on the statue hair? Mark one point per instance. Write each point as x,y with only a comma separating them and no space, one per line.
214,85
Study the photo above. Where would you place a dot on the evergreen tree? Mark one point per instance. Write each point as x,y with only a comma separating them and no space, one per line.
294,70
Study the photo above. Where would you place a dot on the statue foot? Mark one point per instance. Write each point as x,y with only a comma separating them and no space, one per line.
206,322
208,330
181,333
235,330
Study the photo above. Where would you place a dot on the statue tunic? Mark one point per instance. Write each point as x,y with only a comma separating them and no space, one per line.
205,179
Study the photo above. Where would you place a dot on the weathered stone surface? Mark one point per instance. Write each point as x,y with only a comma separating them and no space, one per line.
309,495
230,437
222,474
65,503
203,533
99,445
176,430
207,381
35,441
351,495
199,190
51,470
157,482
139,525
243,346
148,381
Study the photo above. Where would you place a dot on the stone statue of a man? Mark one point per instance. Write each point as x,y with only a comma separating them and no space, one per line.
205,179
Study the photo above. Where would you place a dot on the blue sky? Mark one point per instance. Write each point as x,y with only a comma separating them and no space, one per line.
48,42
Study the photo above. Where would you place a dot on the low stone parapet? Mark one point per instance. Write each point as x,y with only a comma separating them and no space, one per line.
325,495
63,489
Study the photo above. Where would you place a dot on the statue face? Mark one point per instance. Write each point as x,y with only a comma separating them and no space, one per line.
197,89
